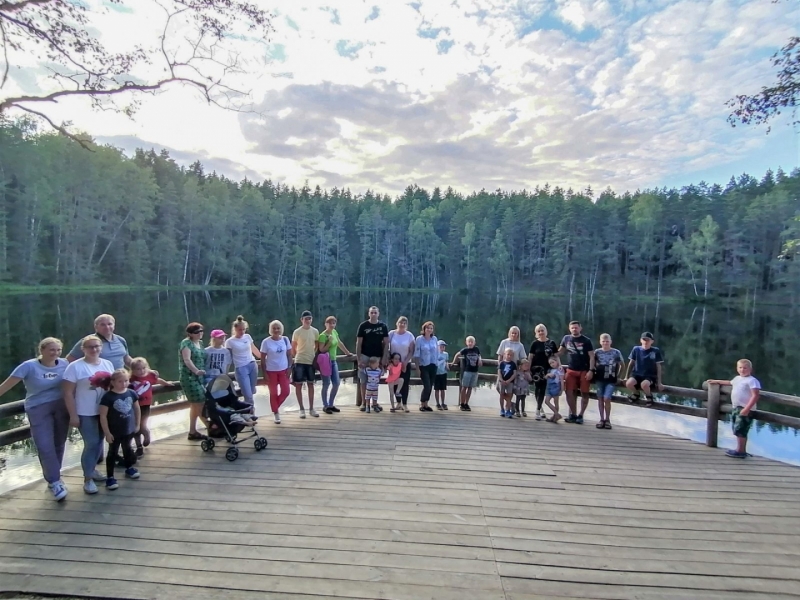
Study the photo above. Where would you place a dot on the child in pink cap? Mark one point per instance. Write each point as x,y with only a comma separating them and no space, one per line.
218,357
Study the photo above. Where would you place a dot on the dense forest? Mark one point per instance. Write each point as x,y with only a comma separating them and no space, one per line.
72,216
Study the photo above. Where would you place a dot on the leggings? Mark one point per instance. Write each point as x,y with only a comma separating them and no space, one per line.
247,377
540,387
124,442
520,405
49,429
92,443
140,437
428,374
326,383
276,379
406,377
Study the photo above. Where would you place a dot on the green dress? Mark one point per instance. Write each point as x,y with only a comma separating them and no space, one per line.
192,384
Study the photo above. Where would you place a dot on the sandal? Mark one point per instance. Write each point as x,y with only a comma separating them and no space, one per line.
607,425
554,419
195,436
634,398
648,401
601,425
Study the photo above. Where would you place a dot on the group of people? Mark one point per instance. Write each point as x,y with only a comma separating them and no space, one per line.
107,394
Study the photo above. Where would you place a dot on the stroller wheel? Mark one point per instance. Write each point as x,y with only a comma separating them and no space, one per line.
260,443
232,454
205,445
211,443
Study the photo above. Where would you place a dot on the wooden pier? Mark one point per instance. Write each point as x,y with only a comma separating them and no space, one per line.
408,506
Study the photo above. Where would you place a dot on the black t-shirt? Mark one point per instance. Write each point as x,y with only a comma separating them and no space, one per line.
469,359
541,352
507,370
578,348
121,418
373,334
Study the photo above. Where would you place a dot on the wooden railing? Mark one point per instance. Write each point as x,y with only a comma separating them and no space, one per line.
715,403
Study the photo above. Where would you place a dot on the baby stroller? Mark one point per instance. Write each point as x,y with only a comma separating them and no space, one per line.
232,416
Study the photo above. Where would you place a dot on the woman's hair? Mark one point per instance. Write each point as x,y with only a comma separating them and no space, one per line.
104,317
239,322
90,338
538,327
103,380
397,354
426,324
46,342
329,319
401,318
140,362
524,361
555,358
275,322
194,327
513,329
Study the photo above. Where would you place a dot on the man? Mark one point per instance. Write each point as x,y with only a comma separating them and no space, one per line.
372,340
304,347
579,370
647,362
115,348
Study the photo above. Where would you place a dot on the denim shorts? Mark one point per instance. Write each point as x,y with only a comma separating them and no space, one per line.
302,373
605,390
740,423
469,379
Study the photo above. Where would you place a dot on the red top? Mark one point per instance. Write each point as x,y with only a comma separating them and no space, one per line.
395,372
143,386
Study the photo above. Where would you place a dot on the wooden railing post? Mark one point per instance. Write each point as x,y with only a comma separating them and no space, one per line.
712,415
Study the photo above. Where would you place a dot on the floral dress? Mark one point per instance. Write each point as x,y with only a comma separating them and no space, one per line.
192,384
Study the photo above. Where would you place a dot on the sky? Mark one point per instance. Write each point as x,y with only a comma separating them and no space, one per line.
510,94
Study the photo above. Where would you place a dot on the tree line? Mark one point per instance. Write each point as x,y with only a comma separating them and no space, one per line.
69,216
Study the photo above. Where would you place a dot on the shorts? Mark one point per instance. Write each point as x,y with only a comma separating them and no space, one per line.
469,379
302,373
371,396
553,389
605,389
576,380
362,371
440,382
740,423
505,387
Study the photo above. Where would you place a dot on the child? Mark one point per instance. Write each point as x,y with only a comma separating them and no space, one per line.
522,386
608,365
120,418
647,362
440,381
373,381
555,387
142,381
506,373
471,362
218,357
744,397
395,381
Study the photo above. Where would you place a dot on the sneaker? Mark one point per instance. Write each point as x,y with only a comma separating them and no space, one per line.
367,409
90,487
111,484
462,407
538,415
302,413
510,414
377,408
439,407
332,408
503,413
327,410
59,490
139,452
405,407
313,413
524,414
579,420
571,419
131,473
467,408
392,409
444,406
277,419
97,476
363,408
736,454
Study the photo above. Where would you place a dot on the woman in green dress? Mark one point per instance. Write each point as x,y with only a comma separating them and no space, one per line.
191,376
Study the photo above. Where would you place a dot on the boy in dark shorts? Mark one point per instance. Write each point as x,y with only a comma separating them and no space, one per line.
745,390
646,361
440,381
580,370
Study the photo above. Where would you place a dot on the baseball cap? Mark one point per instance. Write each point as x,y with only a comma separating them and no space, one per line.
442,343
647,336
217,333
306,313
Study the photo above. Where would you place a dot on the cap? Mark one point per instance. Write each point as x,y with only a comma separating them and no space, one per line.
647,336
217,333
306,313
442,343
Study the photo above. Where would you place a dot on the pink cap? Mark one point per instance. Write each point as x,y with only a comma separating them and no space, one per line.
217,333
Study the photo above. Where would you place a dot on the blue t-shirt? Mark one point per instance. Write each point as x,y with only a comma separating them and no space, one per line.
427,351
441,363
42,384
114,350
646,361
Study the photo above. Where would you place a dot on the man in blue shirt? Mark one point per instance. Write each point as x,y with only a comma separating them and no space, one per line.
115,348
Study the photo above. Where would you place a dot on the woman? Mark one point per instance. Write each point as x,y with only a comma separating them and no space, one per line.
511,343
276,363
426,352
46,410
329,342
83,401
191,377
115,348
244,353
541,350
401,340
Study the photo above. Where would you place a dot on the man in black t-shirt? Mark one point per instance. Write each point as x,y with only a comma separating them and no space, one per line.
579,370
372,339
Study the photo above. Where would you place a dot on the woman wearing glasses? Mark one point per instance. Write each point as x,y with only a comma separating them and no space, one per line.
83,401
191,376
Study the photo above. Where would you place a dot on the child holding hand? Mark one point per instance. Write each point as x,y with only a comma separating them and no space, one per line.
555,387
395,381
120,418
506,374
143,378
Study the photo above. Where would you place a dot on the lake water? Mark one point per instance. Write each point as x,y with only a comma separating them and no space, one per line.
698,342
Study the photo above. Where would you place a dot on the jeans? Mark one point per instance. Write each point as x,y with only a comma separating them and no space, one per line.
92,436
49,428
276,379
327,381
428,374
247,378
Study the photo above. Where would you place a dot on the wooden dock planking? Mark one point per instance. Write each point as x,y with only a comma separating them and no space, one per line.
435,506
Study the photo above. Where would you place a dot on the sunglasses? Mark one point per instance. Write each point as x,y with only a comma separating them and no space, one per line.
92,347
196,332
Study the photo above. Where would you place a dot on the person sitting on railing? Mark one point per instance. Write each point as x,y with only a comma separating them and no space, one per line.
647,362
745,390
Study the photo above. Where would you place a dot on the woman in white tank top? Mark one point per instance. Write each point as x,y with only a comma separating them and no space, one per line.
401,340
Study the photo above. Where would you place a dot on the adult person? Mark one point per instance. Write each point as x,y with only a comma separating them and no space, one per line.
426,354
244,354
83,404
328,341
115,348
304,346
276,363
542,348
47,412
580,370
403,342
512,343
372,339
191,374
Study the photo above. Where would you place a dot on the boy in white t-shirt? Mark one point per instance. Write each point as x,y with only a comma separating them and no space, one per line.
744,395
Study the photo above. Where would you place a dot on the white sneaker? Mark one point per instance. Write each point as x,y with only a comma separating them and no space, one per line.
89,487
98,476
277,419
313,413
538,415
59,490
302,413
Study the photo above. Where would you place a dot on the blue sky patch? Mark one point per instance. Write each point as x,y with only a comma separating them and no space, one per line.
443,46
347,49
376,12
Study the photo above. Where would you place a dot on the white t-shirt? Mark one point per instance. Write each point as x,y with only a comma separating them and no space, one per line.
516,347
401,343
742,390
241,350
87,398
277,353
